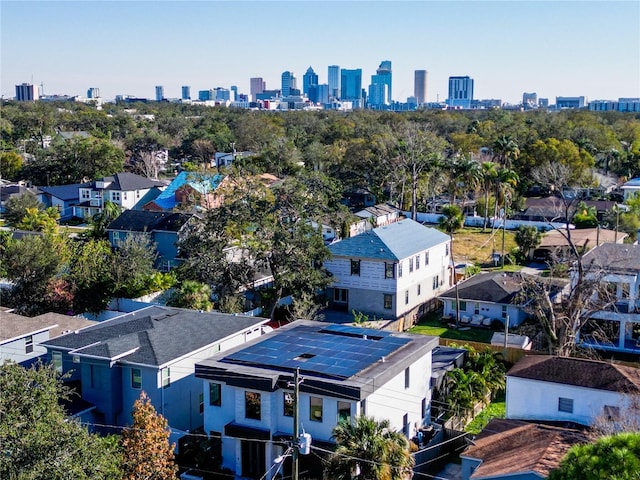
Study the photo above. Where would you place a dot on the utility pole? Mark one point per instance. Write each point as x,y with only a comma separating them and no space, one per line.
296,423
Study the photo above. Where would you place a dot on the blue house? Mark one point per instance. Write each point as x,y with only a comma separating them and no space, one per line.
154,349
163,227
62,197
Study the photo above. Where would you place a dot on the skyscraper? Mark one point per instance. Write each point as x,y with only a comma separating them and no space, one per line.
377,94
234,93
159,93
186,92
257,85
93,92
420,86
351,85
308,79
460,92
289,84
383,74
26,92
334,81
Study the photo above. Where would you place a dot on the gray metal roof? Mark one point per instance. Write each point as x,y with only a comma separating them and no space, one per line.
155,335
396,241
127,182
65,192
614,257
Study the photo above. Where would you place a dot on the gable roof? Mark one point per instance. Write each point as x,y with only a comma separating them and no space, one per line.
396,241
495,287
65,192
509,447
153,336
579,372
126,182
14,326
614,257
587,237
147,221
378,211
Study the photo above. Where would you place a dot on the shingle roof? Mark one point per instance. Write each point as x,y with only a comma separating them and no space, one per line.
126,182
578,372
65,192
587,237
391,242
155,335
496,287
146,221
508,447
13,325
614,257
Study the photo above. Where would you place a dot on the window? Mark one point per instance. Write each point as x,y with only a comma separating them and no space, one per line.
124,195
611,413
405,424
419,292
388,301
201,403
85,195
215,394
344,411
565,405
355,267
463,306
340,295
136,378
363,406
166,377
407,377
137,193
417,262
252,405
423,408
476,308
115,196
504,311
388,270
411,265
399,269
288,404
446,251
56,360
28,344
406,297
315,409
436,281
426,258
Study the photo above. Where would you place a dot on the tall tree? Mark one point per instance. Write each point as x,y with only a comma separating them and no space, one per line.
505,150
147,453
10,165
38,440
489,173
369,449
16,207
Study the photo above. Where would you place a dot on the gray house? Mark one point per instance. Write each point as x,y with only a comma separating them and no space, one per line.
155,350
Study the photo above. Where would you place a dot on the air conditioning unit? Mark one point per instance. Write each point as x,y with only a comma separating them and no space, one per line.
94,202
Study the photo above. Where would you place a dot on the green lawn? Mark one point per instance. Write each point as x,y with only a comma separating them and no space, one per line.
496,409
431,325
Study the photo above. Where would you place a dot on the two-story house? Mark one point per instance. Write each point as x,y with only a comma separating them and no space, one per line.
391,271
565,389
155,350
616,267
127,190
164,229
344,372
62,197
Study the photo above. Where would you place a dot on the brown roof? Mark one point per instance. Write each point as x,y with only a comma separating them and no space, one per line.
584,237
511,446
13,325
579,372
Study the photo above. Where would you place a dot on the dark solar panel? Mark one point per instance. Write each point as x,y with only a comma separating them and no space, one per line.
337,351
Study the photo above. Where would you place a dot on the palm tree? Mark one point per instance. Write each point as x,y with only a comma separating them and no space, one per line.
489,173
505,183
452,218
369,449
101,220
505,150
464,175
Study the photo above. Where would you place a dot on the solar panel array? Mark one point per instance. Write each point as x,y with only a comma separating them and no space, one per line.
332,351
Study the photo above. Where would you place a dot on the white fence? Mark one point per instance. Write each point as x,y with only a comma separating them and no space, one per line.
477,221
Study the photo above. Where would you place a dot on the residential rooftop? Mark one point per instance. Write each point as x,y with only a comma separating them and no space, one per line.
149,221
16,326
614,257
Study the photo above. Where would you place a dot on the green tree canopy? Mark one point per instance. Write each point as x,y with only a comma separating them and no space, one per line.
16,207
527,238
39,441
10,165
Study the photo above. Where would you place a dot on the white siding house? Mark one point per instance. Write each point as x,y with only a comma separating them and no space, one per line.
390,271
345,372
549,388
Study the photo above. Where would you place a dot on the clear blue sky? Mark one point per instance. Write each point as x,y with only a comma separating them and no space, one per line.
554,48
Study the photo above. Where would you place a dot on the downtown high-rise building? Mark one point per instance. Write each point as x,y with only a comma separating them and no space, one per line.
309,79
460,92
420,86
257,85
26,92
186,92
383,75
159,93
93,92
289,84
351,86
334,81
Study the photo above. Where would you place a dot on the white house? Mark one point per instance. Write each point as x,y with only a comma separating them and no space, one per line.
631,188
617,268
153,349
390,271
345,372
564,389
124,189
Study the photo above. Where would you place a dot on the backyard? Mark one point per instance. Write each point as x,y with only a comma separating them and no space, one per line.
474,246
431,324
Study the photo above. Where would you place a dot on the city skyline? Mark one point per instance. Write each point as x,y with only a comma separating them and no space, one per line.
508,48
